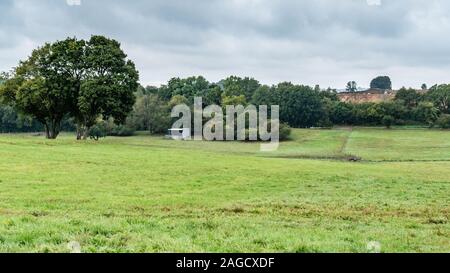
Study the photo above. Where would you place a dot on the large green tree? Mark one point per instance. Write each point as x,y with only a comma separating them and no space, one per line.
42,86
85,80
108,85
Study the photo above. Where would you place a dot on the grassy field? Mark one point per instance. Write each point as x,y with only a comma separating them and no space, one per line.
147,194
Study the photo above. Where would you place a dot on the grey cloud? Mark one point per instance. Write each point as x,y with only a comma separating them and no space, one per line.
323,41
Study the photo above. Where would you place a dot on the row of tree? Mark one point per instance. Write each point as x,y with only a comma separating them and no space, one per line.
92,84
300,106
408,107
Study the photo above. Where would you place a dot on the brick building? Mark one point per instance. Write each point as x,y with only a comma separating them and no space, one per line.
371,95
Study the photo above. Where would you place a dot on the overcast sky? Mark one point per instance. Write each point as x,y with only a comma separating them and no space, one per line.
326,42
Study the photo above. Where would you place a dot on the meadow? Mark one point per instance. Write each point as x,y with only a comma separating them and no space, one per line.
149,194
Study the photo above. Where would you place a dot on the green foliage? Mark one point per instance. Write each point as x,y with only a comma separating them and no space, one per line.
188,87
108,86
236,86
41,87
233,100
388,121
444,121
426,113
152,114
342,113
408,97
440,96
300,106
122,130
74,78
99,130
381,82
11,121
177,100
264,95
285,132
212,95
328,94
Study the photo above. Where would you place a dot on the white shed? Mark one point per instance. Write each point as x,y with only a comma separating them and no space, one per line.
179,134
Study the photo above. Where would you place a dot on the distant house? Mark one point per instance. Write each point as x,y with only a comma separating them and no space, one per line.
370,95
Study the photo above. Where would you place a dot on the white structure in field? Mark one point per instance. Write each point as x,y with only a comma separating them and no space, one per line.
180,134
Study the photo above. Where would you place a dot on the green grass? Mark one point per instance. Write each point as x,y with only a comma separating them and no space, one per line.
147,194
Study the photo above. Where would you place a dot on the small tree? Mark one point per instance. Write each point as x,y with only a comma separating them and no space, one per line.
381,82
351,86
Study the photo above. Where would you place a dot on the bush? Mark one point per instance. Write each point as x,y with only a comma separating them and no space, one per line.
98,131
122,131
388,121
444,121
285,132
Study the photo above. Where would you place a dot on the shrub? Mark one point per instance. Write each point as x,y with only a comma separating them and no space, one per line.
98,131
444,121
285,132
388,121
122,131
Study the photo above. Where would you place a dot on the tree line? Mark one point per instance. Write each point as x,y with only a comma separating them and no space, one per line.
92,87
301,106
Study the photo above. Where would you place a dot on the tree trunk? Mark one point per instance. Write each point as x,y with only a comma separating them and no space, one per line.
86,133
47,132
82,131
79,132
52,129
